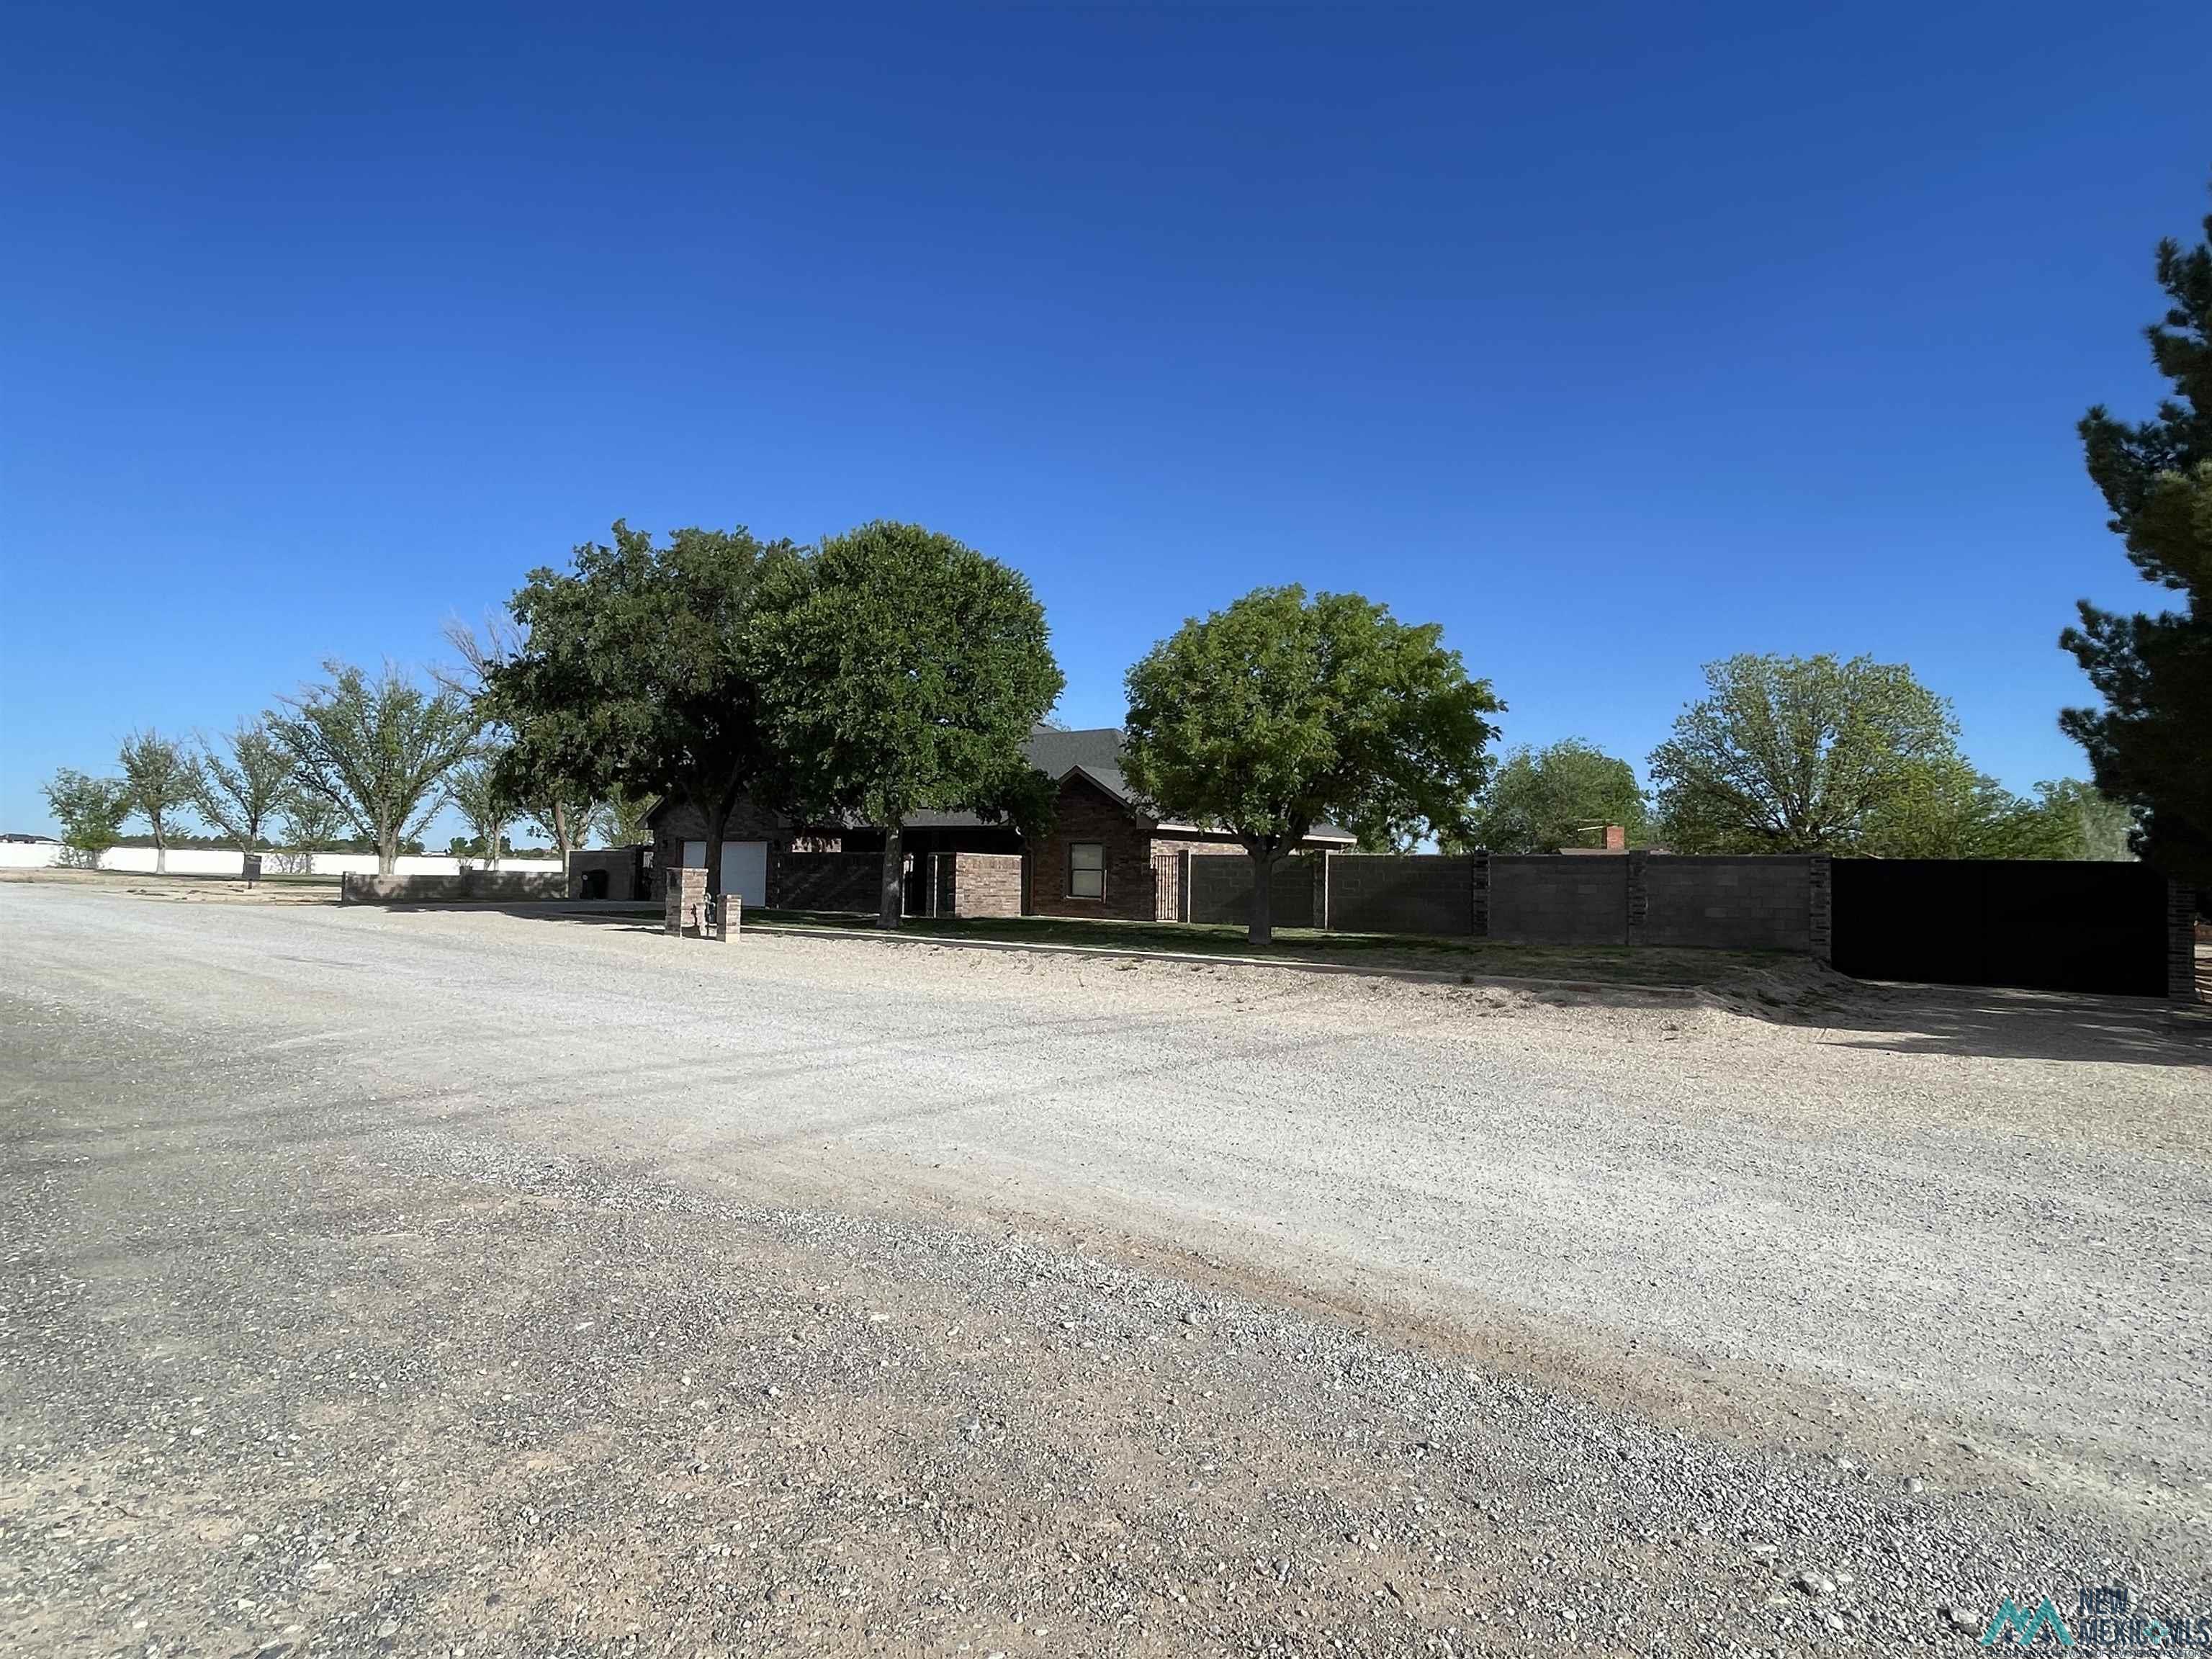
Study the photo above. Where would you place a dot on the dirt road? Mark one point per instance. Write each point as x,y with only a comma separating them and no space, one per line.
399,1281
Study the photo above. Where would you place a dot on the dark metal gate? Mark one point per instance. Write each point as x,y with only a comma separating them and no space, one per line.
2041,924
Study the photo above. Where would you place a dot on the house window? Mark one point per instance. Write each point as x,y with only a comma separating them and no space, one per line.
1086,869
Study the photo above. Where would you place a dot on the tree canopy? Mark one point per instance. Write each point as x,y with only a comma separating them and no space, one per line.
378,751
1797,754
90,811
239,792
2150,744
633,670
158,777
903,672
1543,799
1276,713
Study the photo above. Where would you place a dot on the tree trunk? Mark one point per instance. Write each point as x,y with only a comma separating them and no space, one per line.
1262,931
894,892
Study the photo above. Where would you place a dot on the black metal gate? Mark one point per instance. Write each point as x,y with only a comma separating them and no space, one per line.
2041,924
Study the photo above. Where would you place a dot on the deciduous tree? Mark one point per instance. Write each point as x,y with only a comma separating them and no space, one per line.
2150,744
903,673
1796,753
240,791
90,811
378,750
633,670
1275,714
158,775
1542,799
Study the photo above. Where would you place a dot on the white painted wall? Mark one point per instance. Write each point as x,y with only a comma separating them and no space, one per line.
211,861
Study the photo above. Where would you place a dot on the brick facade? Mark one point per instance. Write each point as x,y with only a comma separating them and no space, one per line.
1088,813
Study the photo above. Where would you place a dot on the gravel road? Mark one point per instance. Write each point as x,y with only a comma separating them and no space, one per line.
407,1282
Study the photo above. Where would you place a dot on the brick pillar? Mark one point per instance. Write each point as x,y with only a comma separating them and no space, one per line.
1639,892
685,890
2180,942
1480,860
1820,885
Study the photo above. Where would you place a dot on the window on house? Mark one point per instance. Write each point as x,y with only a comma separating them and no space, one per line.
1086,869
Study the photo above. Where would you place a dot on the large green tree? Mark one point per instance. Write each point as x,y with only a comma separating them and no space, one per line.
241,785
378,750
2150,744
1277,714
633,670
1543,799
90,811
903,672
158,775
1798,754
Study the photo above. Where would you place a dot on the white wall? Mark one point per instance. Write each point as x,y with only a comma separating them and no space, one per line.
209,861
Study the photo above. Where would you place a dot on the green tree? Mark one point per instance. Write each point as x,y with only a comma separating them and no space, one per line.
479,794
158,776
1796,753
90,811
1274,714
904,672
624,820
1542,799
240,790
634,671
2150,745
2093,825
378,751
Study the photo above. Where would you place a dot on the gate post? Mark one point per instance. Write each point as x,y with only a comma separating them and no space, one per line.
2180,942
1820,887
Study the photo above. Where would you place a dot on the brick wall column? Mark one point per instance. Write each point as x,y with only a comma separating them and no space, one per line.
1639,893
2180,942
686,890
1480,860
1820,886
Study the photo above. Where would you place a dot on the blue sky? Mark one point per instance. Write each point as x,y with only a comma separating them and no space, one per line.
1615,340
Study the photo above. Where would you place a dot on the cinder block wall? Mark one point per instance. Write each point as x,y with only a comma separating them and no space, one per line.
1761,903
1421,893
471,886
1553,899
1221,889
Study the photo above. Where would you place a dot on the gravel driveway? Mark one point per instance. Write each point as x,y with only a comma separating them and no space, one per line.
401,1281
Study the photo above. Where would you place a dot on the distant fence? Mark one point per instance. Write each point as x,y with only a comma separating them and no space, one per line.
218,861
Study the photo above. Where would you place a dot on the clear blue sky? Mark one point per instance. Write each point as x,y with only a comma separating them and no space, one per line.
1615,340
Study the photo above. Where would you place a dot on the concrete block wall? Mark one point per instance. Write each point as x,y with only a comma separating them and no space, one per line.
1420,893
1221,889
469,887
1548,899
1762,903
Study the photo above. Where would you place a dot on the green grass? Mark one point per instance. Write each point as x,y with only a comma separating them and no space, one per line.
1383,952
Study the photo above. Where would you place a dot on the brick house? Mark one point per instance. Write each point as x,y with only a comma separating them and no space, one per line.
1105,856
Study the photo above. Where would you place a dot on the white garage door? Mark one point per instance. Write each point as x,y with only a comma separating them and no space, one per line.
744,868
